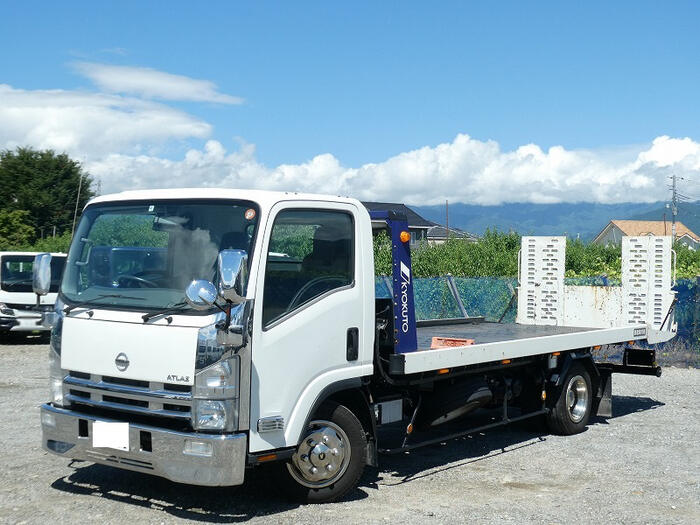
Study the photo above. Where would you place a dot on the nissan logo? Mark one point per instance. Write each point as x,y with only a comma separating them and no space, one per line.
122,362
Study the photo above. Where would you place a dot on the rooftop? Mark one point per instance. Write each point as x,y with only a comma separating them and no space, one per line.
414,220
654,228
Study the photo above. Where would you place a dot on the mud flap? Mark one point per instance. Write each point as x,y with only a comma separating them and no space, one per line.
604,396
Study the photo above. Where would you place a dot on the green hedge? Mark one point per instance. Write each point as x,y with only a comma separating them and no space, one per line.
496,255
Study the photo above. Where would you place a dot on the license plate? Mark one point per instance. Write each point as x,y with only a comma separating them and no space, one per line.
110,435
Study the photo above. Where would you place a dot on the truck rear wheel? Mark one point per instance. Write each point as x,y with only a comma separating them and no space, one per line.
572,409
330,458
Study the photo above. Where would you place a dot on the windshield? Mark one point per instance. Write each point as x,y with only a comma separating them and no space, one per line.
143,255
16,272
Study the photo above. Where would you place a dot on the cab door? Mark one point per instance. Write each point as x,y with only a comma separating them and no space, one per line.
308,317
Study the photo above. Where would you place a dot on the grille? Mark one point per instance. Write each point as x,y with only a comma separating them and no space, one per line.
126,395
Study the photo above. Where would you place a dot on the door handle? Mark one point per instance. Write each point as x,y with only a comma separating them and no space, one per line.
353,344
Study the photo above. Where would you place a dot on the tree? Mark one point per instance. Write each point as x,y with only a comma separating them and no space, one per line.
45,184
14,230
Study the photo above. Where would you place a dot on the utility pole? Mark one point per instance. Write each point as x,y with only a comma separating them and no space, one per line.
674,208
447,220
664,224
77,201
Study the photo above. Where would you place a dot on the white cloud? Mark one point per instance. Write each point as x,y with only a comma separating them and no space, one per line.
151,83
464,170
121,139
92,124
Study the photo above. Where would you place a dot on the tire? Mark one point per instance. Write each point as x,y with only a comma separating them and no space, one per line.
345,435
572,408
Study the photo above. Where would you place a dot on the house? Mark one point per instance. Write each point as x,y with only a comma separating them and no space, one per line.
438,235
421,230
417,225
615,230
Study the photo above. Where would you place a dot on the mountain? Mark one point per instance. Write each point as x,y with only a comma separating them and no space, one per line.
584,220
688,214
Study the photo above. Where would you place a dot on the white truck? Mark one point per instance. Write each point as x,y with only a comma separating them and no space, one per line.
201,332
19,309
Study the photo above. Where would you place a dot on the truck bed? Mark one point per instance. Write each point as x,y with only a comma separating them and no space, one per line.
494,342
486,332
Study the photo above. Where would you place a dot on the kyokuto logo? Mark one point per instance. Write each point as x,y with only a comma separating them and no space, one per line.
405,281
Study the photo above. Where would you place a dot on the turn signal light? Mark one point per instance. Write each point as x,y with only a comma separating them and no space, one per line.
405,236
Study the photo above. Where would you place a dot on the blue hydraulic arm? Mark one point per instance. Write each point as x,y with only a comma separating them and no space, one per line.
405,339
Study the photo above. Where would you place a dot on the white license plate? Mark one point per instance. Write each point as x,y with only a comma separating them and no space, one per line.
110,435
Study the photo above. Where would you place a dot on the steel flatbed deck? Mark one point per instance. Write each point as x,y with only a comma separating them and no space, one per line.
495,342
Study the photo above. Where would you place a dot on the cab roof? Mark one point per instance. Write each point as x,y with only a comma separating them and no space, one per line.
263,197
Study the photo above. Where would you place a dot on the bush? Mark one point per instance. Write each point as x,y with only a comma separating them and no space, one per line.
496,255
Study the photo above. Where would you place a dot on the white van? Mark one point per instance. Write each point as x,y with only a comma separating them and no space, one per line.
18,307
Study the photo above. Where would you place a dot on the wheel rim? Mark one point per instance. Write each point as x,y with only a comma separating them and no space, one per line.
577,398
322,457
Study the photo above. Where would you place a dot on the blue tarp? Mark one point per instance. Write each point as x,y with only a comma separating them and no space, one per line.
489,297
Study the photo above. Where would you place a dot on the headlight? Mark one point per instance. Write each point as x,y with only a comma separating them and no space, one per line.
215,395
215,392
57,326
56,376
212,415
218,381
4,310
56,373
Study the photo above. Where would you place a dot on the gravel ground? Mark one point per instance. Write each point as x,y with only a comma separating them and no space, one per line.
641,466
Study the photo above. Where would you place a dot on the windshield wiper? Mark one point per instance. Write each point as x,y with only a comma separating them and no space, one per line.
68,309
15,283
170,310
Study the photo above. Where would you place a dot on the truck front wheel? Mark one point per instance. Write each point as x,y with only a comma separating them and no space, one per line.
572,409
330,458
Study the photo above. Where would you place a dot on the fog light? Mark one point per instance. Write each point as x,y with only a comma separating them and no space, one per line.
48,419
197,448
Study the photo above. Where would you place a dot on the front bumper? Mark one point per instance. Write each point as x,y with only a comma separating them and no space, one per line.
8,323
61,429
22,323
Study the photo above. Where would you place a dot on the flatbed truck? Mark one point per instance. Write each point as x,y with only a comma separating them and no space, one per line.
244,330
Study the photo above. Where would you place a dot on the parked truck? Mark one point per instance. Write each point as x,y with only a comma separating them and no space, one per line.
242,328
19,309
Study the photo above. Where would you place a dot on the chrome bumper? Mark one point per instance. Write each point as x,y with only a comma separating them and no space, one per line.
61,429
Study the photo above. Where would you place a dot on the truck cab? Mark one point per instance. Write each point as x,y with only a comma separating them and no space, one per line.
201,387
19,310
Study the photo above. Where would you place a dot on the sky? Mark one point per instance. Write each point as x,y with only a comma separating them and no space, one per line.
475,102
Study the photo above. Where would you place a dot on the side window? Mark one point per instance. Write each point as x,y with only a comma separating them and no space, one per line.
310,253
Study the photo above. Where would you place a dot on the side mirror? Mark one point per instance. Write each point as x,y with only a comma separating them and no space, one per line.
41,281
200,294
233,275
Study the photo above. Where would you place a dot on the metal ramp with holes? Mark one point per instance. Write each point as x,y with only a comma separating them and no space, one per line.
541,278
644,297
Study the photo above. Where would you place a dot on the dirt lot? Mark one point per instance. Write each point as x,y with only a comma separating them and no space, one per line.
641,466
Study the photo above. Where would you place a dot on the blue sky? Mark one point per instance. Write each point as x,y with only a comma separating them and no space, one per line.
366,83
